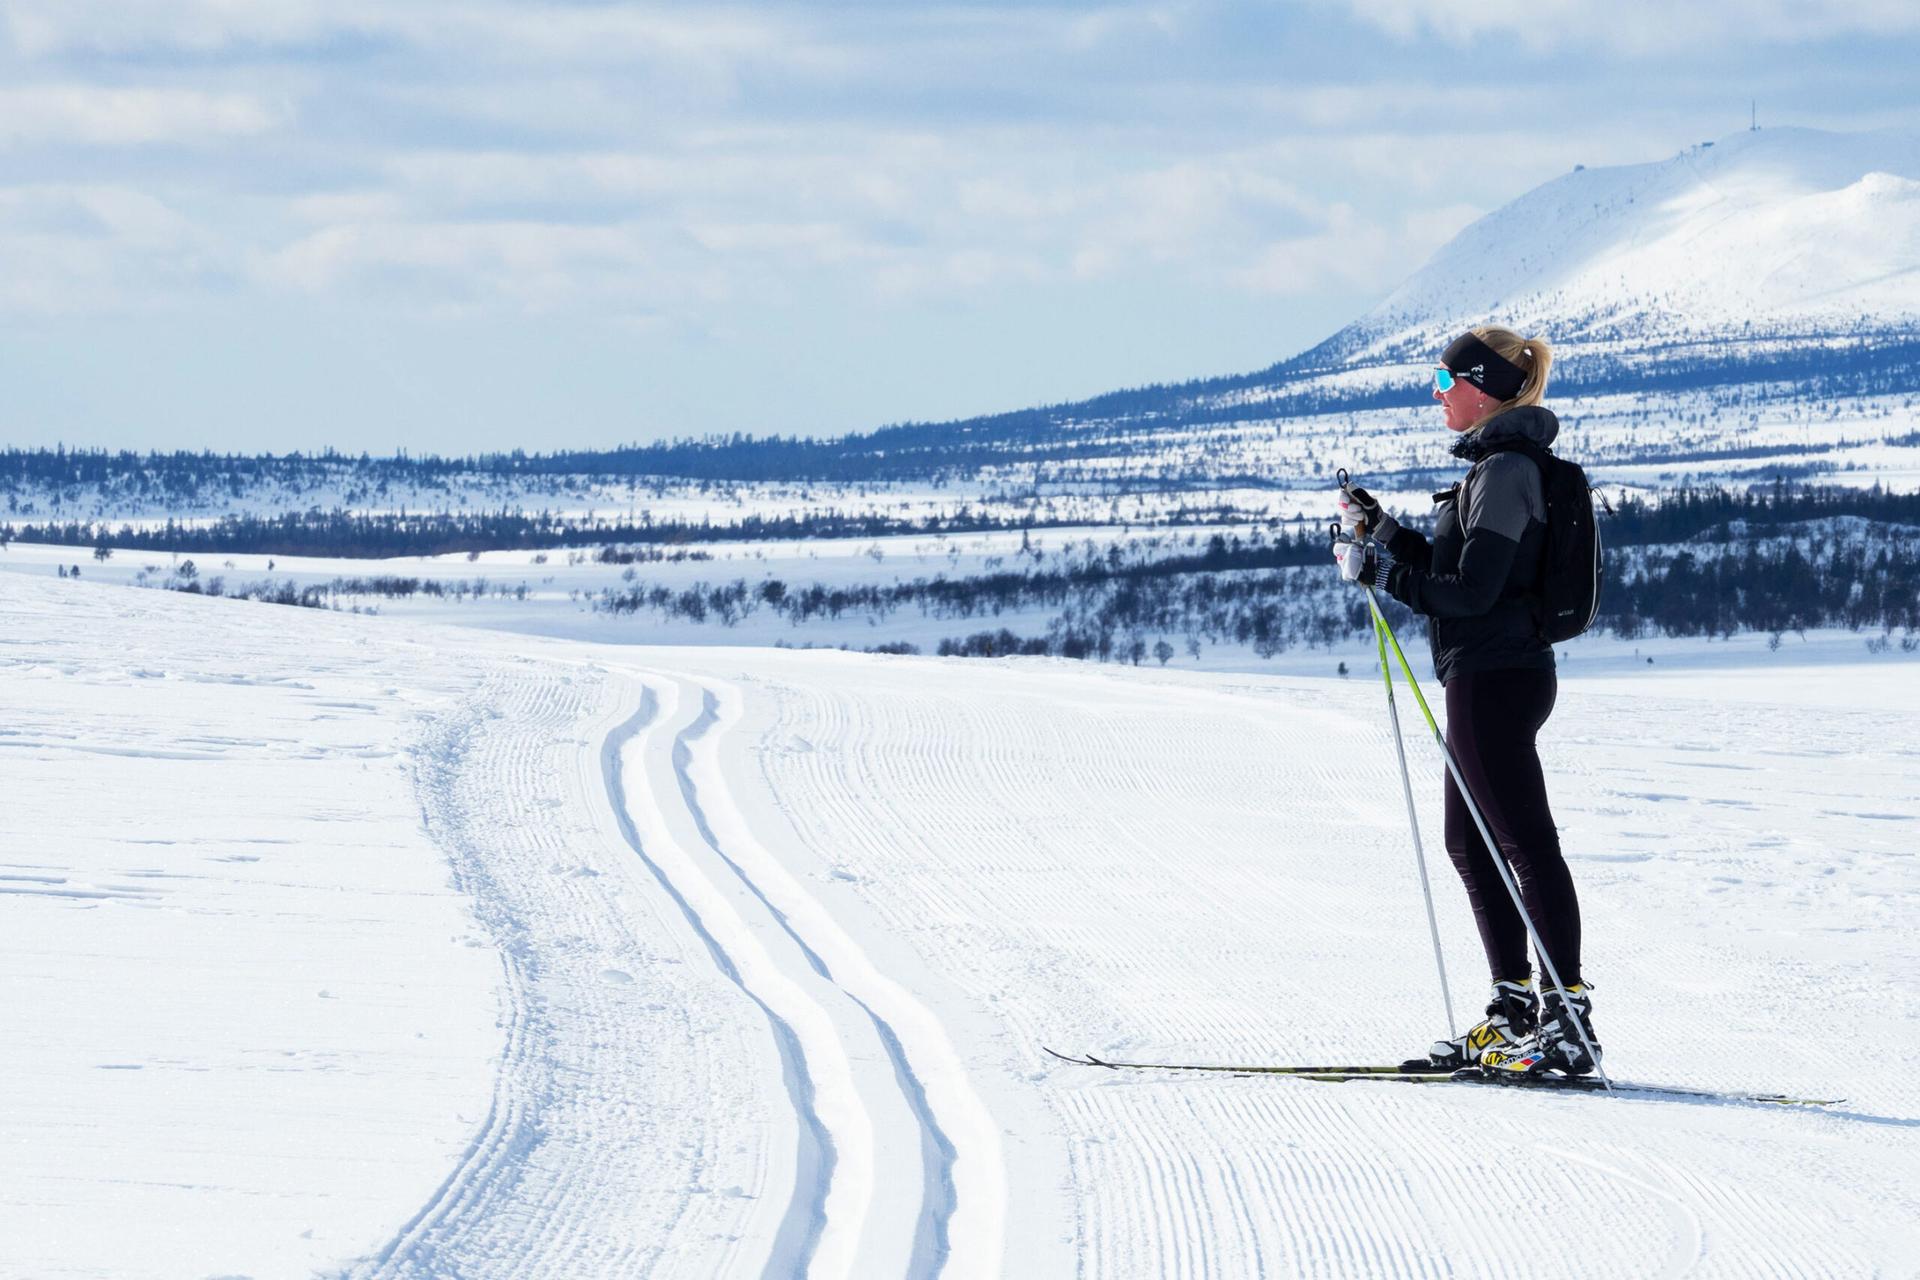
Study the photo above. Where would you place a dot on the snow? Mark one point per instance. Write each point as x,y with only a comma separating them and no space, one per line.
368,946
248,1011
1768,227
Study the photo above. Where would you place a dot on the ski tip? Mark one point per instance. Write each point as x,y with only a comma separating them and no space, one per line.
1088,1061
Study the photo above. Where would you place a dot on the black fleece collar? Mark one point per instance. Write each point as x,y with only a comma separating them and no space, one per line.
1528,422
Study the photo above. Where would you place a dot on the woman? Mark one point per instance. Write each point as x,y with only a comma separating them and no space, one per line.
1478,580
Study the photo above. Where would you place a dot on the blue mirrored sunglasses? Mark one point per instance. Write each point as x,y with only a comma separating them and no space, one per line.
1443,379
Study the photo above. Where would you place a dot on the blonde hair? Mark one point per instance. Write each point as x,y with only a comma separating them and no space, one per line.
1532,356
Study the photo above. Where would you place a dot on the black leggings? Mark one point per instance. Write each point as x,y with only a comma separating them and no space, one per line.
1492,717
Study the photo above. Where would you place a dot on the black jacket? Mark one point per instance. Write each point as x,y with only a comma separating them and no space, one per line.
1476,579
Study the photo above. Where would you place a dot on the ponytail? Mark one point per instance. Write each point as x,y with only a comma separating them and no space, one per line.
1532,356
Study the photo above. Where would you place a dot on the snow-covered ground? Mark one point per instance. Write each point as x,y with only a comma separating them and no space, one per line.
351,945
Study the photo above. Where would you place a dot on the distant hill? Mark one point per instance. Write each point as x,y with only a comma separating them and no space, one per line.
1786,234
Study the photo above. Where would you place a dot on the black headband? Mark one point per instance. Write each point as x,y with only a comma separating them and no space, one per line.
1472,360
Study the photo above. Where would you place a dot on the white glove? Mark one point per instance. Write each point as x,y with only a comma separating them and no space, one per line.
1364,563
1357,508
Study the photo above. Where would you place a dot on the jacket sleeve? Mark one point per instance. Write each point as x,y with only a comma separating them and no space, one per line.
1406,546
1500,495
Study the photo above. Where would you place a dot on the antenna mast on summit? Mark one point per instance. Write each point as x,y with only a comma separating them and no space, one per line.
1753,121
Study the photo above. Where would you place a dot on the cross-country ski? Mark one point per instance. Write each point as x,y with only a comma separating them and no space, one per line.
1413,1074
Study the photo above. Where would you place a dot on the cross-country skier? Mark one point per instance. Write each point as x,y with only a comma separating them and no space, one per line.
1477,582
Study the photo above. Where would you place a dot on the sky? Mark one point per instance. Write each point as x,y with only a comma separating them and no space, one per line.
268,225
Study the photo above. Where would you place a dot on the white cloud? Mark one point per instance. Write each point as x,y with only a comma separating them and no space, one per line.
93,212
1631,26
533,267
570,35
773,215
329,207
778,214
956,272
42,28
95,116
453,178
815,242
1089,30
68,248
1352,252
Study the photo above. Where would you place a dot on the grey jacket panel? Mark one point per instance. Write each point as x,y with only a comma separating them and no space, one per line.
1502,492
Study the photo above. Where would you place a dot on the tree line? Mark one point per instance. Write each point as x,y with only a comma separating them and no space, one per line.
1748,363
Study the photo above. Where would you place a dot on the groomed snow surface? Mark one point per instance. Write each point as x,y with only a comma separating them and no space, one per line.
356,946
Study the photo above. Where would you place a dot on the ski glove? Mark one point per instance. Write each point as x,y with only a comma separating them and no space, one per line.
1358,509
1365,563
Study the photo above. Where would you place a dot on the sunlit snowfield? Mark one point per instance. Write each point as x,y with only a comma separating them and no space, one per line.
346,944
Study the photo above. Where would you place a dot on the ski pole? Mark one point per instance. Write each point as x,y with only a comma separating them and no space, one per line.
1413,821
1413,818
1493,848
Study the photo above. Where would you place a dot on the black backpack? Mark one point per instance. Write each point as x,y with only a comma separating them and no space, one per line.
1568,596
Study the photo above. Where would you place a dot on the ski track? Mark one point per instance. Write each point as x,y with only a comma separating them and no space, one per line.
805,1217
902,1117
930,1241
878,1157
1031,859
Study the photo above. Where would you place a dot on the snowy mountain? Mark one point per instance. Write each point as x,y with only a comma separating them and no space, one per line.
1780,233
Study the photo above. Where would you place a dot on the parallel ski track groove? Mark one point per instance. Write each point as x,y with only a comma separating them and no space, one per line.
938,1201
805,1218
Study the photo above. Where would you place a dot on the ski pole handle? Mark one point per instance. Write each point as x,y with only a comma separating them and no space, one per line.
1346,486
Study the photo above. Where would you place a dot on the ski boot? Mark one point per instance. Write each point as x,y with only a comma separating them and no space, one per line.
1556,1045
1511,1018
